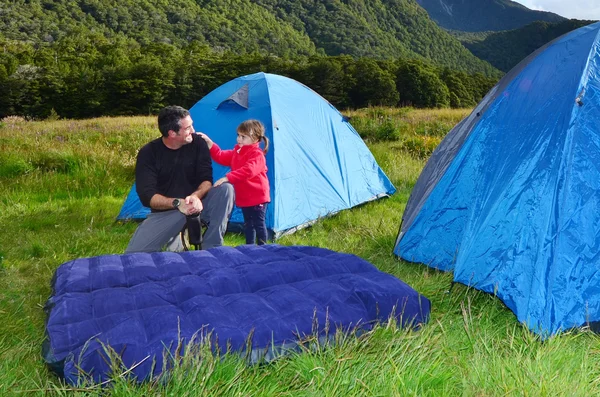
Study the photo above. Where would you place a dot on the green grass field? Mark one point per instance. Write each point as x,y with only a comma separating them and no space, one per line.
62,184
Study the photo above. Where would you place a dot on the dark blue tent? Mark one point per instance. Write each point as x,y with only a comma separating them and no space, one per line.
318,164
510,200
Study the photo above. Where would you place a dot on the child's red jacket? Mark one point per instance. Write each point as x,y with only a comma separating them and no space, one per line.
248,173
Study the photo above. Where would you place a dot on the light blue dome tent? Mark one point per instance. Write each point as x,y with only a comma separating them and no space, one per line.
510,200
318,164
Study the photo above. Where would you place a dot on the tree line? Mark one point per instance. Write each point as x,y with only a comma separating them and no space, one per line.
89,75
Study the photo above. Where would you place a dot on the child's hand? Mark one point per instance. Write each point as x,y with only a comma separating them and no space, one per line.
221,181
208,141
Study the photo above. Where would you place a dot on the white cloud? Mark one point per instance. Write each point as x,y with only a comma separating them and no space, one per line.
578,9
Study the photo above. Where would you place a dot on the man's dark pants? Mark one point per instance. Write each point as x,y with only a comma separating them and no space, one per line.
161,230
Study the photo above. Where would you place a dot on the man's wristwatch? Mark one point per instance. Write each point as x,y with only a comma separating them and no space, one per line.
176,203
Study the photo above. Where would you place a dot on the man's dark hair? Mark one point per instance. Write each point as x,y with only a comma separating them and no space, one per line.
169,118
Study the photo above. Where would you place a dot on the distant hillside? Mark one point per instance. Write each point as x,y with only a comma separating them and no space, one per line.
240,26
384,29
505,49
483,15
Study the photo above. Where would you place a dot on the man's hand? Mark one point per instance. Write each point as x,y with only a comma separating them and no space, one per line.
221,181
191,205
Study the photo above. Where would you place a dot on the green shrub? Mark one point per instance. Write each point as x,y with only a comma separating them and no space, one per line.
376,126
433,128
53,116
366,128
12,166
387,131
377,113
420,146
65,163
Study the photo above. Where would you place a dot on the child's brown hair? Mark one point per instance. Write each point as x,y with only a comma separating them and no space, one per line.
255,130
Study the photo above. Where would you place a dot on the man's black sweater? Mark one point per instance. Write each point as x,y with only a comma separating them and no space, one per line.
172,173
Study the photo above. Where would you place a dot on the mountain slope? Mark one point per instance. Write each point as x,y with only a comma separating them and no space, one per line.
379,28
505,49
372,28
239,26
483,15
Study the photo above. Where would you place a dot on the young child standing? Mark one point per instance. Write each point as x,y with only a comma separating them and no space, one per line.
248,176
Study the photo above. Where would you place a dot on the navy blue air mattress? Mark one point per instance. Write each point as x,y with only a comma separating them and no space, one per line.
272,296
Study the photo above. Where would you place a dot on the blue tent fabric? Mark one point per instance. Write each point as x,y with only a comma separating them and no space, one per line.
510,200
132,207
317,163
141,304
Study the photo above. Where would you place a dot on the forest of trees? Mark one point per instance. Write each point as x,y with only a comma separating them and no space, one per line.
86,58
87,75
381,29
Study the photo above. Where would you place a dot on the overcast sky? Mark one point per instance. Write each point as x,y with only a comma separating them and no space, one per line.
578,9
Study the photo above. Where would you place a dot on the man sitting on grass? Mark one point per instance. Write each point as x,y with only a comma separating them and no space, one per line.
174,178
